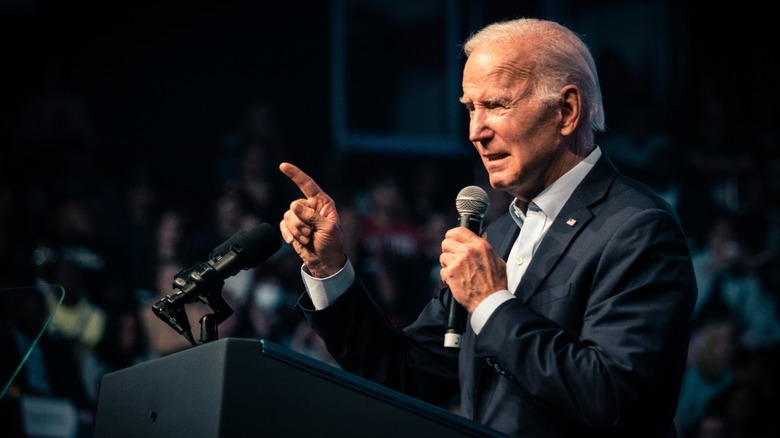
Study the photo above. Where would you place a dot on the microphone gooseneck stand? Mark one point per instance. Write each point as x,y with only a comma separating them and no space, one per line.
203,278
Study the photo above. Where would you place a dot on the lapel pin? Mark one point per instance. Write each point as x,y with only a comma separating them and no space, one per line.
571,222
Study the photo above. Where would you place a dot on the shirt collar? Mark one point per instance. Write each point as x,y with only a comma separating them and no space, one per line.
550,201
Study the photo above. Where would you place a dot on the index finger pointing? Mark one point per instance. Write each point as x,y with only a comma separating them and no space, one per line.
305,183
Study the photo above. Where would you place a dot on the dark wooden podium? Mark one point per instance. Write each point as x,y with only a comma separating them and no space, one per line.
254,388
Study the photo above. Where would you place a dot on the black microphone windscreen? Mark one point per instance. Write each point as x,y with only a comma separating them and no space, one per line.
257,244
225,246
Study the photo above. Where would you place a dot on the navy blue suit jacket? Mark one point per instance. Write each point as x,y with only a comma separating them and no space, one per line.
594,345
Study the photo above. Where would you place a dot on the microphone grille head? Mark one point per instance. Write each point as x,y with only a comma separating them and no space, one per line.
472,200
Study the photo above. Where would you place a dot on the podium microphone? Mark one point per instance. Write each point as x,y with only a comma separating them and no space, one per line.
472,203
245,250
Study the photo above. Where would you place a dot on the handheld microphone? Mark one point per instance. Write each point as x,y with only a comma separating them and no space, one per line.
244,250
472,203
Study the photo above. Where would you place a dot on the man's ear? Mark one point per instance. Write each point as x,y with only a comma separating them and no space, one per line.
571,107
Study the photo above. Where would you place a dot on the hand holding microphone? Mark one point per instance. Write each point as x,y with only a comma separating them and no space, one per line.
471,203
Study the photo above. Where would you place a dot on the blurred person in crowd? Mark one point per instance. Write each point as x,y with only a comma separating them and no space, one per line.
388,242
74,235
268,312
730,286
229,217
168,238
712,425
434,230
747,412
742,411
170,231
50,370
262,315
352,221
78,319
123,343
226,220
710,370
579,297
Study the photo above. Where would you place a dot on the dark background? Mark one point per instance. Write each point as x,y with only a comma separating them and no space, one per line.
129,82
105,85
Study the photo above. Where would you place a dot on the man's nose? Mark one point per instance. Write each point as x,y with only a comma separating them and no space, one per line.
478,128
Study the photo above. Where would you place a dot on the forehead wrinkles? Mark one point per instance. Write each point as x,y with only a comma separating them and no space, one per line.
498,79
508,74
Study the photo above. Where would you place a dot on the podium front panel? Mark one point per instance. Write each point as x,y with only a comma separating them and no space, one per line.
244,387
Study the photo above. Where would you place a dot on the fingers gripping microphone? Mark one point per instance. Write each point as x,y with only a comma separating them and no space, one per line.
472,203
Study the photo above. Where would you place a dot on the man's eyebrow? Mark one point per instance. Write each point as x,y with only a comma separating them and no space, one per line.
496,98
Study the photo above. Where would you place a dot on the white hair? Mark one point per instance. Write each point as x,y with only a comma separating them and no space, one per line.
561,58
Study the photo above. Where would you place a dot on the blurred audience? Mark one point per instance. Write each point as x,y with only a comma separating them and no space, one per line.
388,243
730,286
709,372
115,247
51,372
735,322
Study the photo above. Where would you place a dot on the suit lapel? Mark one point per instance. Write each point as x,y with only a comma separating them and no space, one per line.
554,243
574,216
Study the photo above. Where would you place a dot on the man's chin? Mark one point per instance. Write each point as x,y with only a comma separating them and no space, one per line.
497,182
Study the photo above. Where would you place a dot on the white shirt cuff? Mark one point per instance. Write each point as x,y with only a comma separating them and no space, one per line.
325,291
487,307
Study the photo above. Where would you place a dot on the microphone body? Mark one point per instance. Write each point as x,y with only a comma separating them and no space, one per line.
246,249
472,203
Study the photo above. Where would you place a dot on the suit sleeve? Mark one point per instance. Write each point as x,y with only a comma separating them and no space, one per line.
601,334
364,342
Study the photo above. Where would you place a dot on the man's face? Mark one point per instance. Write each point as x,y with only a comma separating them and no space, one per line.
516,135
